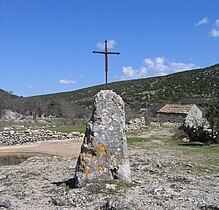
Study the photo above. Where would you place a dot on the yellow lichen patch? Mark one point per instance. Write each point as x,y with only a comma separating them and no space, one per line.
83,156
86,172
92,158
101,148
101,170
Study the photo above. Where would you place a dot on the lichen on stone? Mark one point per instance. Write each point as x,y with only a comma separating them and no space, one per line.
104,153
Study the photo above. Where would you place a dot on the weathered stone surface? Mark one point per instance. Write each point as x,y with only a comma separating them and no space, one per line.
5,203
104,152
10,115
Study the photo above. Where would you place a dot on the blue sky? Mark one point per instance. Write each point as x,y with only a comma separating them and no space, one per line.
46,45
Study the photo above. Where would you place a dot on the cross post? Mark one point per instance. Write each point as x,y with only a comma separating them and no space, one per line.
106,53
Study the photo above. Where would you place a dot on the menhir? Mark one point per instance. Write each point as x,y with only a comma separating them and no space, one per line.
104,154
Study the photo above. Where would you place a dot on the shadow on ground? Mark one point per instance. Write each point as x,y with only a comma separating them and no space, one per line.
71,183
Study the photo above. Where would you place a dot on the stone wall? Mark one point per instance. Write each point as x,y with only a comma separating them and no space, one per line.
171,118
12,137
195,118
136,124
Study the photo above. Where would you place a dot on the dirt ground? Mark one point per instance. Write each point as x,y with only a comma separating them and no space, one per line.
70,148
165,175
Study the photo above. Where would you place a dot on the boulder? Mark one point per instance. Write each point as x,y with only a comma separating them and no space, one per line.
136,124
104,154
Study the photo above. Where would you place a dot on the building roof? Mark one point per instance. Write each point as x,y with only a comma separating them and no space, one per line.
176,108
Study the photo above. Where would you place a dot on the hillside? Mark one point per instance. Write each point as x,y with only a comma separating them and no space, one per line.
192,86
5,99
4,95
199,83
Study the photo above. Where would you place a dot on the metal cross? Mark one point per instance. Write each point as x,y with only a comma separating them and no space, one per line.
106,59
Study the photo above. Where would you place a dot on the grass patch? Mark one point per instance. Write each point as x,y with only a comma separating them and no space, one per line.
190,148
132,140
206,169
96,187
6,160
198,149
134,132
68,129
204,157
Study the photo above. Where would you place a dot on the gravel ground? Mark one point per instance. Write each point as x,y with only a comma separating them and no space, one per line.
163,177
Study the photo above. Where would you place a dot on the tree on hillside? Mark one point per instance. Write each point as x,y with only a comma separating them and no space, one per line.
3,101
2,108
213,117
54,109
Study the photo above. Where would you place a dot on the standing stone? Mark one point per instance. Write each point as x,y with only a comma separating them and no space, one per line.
104,154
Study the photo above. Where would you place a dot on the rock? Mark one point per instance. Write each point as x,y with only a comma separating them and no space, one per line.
205,206
5,203
111,186
185,140
104,154
189,165
136,124
10,115
117,203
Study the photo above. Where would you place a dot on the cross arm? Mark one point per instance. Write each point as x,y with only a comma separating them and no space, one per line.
101,52
117,53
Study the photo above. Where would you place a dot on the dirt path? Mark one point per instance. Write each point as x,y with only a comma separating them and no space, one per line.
69,148
161,132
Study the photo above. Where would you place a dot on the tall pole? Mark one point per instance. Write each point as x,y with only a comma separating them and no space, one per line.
106,63
105,52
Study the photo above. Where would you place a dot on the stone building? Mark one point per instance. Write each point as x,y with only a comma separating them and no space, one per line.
187,114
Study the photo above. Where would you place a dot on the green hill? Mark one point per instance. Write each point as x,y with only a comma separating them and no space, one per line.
199,83
5,99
